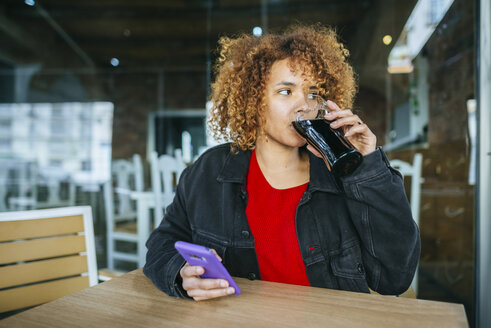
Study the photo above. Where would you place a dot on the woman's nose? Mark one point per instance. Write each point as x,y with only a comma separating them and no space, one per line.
301,104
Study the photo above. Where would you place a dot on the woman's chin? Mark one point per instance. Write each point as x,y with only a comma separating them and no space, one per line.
299,143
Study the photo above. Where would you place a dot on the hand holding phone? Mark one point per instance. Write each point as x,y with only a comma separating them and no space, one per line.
202,258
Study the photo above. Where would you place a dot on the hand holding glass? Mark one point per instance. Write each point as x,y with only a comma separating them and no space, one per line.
338,153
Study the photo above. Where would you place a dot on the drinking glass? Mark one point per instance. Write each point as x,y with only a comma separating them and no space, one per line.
338,153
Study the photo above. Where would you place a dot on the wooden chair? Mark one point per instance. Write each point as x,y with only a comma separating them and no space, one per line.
121,216
165,170
44,255
414,171
165,173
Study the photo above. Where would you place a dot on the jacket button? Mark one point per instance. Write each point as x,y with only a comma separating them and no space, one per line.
360,268
251,276
245,234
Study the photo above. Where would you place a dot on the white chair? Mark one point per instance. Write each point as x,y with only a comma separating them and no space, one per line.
44,255
20,180
414,171
53,180
33,183
165,173
187,147
121,216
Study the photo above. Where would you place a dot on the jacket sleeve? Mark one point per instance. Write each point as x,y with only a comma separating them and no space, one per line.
382,216
163,262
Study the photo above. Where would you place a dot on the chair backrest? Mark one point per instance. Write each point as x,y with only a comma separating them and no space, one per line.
187,147
18,180
414,171
56,182
45,254
165,173
137,164
127,176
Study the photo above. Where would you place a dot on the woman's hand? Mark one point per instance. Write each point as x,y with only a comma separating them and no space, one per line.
355,131
202,289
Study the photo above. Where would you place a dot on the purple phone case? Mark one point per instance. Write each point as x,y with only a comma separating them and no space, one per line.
197,255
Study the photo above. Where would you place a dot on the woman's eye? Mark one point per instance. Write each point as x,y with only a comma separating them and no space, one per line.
285,92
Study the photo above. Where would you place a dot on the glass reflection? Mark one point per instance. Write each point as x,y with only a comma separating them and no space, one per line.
415,93
50,148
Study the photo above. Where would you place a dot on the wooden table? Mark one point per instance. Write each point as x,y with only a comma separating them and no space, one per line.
133,301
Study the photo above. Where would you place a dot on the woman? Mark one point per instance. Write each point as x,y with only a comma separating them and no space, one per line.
268,206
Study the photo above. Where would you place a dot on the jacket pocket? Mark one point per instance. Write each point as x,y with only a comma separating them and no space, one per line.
347,267
239,261
211,241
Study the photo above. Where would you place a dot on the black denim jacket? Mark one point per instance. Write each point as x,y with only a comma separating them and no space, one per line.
355,232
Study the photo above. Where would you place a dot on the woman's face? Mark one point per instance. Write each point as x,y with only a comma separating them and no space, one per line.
285,95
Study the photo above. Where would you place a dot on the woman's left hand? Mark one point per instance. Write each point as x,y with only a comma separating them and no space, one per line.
355,131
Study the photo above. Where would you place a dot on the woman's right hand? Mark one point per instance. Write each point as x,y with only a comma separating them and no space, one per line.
203,288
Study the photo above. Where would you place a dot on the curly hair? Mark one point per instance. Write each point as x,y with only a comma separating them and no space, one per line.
244,65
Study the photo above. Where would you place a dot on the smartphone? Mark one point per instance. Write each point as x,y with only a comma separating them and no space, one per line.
197,255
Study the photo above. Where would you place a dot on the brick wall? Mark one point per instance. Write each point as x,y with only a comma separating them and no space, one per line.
136,95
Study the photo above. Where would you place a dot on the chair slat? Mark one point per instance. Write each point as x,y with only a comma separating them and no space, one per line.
14,275
41,248
25,229
17,298
127,227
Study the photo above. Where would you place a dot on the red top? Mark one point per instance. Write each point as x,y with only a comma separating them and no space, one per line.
271,215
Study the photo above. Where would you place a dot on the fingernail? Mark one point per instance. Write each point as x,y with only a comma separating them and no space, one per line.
230,291
334,124
223,284
329,114
347,134
199,271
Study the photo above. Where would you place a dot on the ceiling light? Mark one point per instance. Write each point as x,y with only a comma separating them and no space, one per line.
30,2
114,62
387,39
257,31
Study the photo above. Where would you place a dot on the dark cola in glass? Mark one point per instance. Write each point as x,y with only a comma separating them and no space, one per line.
340,156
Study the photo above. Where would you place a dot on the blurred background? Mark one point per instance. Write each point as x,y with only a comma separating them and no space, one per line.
84,84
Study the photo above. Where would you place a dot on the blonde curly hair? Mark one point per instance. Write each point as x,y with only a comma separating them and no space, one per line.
244,65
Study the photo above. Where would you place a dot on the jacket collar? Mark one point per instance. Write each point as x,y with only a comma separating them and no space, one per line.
320,177
235,169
